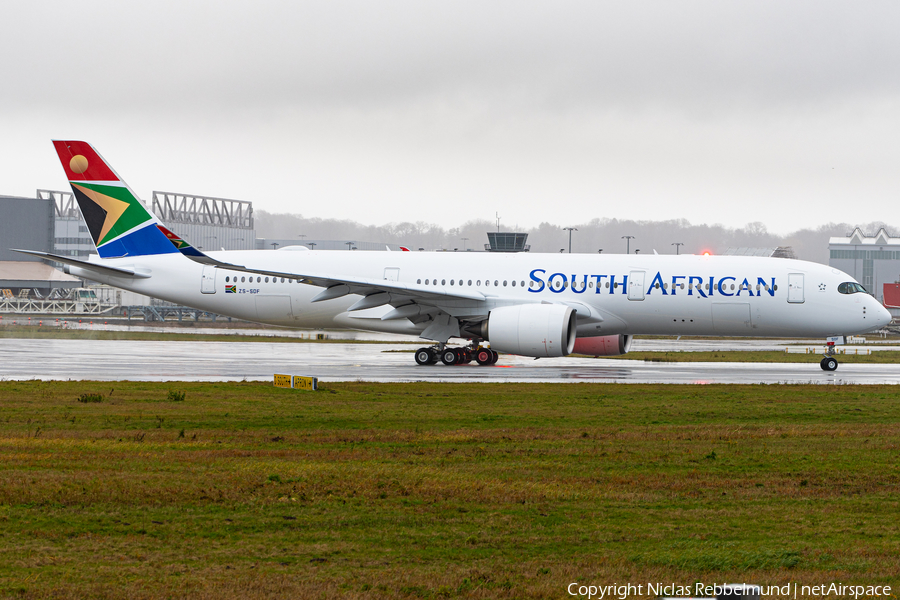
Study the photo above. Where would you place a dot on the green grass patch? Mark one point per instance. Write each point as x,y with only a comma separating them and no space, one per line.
441,490
99,333
762,356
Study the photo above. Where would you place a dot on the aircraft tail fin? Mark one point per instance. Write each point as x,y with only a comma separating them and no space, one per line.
117,221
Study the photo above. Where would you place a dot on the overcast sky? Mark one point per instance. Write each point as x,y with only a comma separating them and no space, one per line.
718,112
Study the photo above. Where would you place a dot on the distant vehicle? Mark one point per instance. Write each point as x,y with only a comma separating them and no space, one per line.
539,305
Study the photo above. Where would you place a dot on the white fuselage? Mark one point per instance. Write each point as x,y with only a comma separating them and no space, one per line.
617,294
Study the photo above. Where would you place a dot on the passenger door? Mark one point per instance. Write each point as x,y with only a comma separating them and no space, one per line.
795,288
208,280
636,285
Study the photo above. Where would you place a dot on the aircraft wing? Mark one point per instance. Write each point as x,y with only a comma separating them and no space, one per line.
335,287
376,292
88,266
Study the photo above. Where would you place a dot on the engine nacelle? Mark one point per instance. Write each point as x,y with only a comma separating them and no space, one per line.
603,345
539,330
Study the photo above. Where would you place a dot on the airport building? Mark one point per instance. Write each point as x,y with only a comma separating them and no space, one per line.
205,222
345,245
874,261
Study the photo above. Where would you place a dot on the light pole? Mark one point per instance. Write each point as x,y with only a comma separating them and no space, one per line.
677,247
302,236
570,230
349,245
627,239
464,243
312,245
275,245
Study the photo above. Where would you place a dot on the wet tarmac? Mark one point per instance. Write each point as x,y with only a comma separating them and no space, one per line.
111,360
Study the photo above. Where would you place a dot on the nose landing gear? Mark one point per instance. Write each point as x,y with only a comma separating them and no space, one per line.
829,363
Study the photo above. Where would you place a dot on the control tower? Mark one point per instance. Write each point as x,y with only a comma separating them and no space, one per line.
505,241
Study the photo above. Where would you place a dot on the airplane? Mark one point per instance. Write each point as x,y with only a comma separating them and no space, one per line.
535,305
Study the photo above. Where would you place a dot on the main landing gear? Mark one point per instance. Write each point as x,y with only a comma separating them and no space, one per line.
829,363
456,356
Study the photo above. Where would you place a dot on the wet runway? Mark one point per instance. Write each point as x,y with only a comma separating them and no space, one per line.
111,360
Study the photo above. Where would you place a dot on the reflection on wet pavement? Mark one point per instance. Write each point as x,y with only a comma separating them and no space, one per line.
235,361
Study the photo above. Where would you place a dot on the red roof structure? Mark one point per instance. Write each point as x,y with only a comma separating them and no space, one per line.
892,295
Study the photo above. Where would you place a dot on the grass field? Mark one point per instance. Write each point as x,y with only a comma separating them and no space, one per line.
424,490
58,333
763,356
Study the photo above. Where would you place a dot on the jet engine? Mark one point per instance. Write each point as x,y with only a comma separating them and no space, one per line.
603,345
539,330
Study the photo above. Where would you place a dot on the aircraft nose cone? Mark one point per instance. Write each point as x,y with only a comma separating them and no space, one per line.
884,316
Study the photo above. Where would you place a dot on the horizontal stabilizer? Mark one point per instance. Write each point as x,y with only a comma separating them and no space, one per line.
88,266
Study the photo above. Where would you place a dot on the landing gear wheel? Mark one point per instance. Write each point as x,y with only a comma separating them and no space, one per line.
462,357
829,364
484,357
494,357
449,356
425,356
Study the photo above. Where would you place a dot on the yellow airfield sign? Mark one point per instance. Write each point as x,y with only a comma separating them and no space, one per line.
297,382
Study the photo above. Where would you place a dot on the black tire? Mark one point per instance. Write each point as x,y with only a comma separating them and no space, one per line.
829,364
424,356
495,357
449,356
484,357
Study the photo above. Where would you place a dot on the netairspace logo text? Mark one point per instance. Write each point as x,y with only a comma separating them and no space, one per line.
791,590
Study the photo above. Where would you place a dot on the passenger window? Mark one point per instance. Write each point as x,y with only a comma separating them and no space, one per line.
418,281
226,279
504,283
514,283
496,282
470,282
242,280
443,282
267,280
478,282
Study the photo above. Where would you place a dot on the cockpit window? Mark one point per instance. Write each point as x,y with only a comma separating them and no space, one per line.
851,287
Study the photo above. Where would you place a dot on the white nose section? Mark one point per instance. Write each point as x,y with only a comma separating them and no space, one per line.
884,315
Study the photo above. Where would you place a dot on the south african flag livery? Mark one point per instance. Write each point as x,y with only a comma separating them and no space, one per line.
231,289
117,221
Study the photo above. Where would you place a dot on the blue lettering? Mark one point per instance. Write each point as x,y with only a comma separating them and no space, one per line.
675,279
562,287
538,280
699,285
599,279
745,285
624,284
612,284
712,286
721,281
583,285
769,288
658,282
